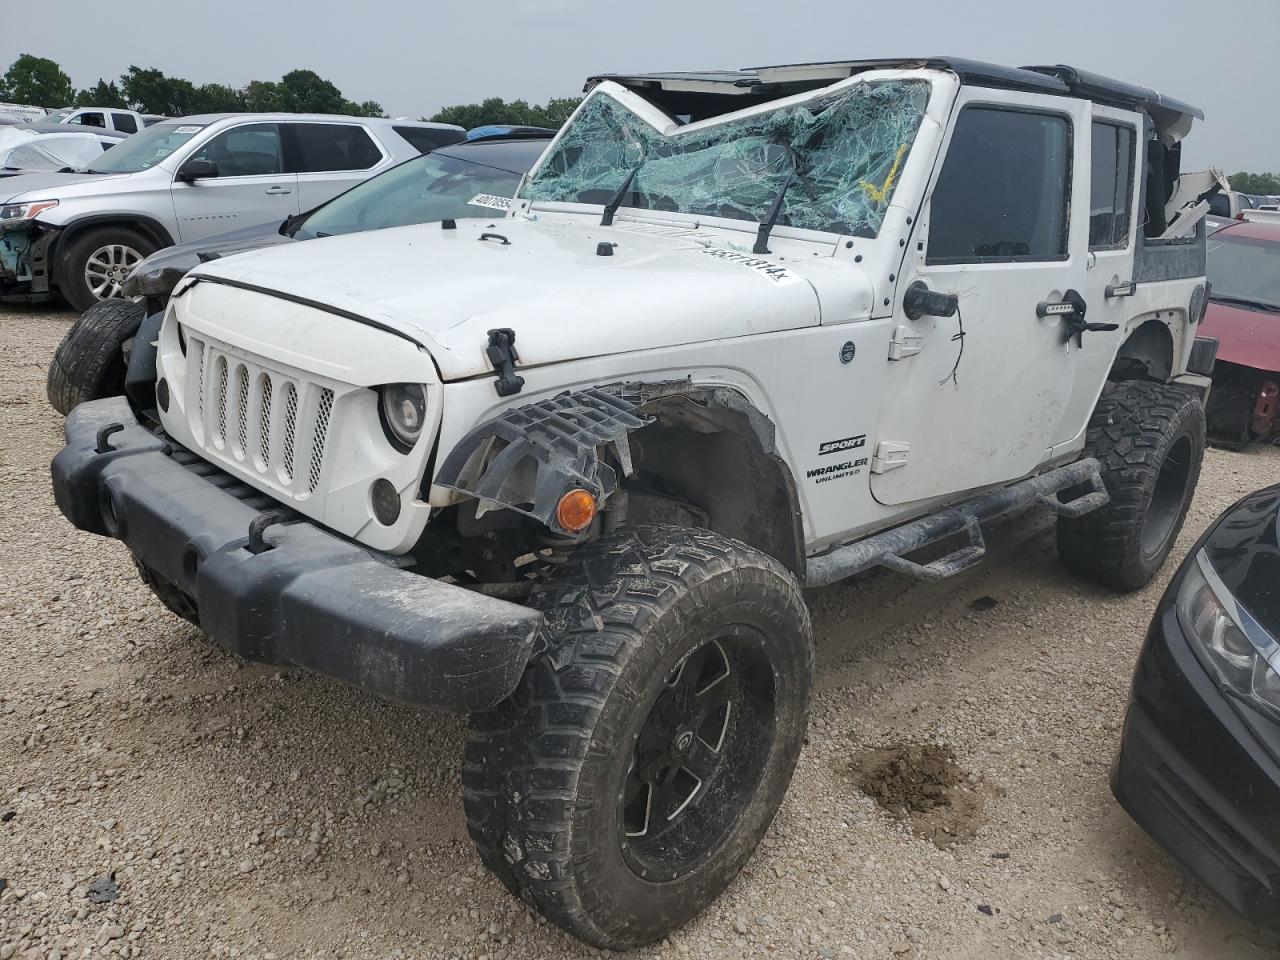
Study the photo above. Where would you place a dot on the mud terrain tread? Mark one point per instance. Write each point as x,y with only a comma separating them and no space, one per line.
1131,430
597,611
82,367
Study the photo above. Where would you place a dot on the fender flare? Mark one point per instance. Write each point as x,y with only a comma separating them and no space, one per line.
67,232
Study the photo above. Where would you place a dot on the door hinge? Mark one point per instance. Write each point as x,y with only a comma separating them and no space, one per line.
905,343
890,455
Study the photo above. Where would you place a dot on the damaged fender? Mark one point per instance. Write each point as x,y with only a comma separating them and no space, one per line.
526,458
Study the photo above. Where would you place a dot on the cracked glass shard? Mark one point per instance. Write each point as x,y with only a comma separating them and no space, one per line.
849,148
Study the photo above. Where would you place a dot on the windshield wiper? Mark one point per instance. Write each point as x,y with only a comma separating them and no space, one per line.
766,225
1245,302
610,208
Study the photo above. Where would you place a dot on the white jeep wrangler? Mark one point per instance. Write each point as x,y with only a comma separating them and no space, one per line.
568,469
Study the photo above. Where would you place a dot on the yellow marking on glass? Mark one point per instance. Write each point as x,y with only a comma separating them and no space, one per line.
881,193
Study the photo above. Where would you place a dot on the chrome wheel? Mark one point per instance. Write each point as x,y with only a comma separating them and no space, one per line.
107,267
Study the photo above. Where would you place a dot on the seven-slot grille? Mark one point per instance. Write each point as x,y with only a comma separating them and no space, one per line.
269,424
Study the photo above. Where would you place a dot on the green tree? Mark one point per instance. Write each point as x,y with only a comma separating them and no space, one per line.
370,108
497,110
263,96
305,91
37,81
216,98
101,94
150,91
1267,183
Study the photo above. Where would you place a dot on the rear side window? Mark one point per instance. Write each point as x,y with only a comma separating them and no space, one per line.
89,120
324,147
1220,204
1004,190
425,139
1111,185
124,122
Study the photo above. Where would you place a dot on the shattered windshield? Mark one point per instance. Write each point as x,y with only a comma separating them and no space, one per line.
846,148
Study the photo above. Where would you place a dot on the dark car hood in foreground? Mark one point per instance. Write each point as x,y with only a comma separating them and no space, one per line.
159,273
1244,548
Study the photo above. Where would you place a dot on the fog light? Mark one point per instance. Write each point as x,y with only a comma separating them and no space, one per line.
162,394
386,502
576,510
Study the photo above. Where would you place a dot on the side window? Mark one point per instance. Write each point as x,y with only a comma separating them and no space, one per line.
326,147
1220,205
124,122
1111,185
1005,188
248,151
91,119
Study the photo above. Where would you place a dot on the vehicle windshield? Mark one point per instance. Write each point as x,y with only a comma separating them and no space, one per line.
1245,270
848,149
57,116
145,149
434,186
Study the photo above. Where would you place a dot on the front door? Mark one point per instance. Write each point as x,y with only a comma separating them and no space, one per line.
251,187
974,399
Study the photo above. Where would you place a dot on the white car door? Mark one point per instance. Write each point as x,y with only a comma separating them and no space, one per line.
332,158
245,185
974,399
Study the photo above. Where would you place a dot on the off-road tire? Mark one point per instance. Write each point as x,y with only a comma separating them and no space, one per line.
544,771
72,261
167,593
1149,438
89,362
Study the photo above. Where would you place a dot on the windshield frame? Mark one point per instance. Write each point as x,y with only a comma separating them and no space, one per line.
668,127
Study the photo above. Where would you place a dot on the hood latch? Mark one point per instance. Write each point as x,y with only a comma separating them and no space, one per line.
502,355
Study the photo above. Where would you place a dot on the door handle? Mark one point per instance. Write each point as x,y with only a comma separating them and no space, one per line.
278,191
1071,308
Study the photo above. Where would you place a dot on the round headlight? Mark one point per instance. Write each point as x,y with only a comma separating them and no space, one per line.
404,408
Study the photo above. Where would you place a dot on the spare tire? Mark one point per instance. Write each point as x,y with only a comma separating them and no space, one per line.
89,362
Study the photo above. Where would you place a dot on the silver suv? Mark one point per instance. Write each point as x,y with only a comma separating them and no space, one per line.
81,233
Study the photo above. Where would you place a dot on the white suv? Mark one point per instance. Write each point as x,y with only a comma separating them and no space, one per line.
569,468
182,180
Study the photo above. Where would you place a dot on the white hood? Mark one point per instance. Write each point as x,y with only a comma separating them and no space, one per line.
662,286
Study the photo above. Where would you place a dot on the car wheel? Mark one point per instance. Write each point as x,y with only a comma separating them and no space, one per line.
89,362
636,767
1150,439
96,264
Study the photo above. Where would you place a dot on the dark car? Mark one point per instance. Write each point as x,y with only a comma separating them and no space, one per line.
474,178
1243,315
1199,763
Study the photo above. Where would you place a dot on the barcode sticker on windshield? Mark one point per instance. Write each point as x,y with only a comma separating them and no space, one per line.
187,130
490,201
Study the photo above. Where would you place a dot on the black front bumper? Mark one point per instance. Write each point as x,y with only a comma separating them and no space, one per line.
310,599
1201,774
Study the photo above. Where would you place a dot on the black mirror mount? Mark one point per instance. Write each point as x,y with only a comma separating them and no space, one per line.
919,301
194,170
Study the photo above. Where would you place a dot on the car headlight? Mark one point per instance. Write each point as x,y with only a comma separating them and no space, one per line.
15,212
404,411
1234,647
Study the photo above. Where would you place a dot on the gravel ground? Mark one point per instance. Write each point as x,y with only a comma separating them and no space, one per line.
246,811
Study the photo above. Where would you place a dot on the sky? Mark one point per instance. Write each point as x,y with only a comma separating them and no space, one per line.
414,56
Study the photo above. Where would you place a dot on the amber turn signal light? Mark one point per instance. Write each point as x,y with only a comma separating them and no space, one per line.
576,510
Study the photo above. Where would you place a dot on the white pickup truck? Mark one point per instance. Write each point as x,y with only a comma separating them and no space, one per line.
103,118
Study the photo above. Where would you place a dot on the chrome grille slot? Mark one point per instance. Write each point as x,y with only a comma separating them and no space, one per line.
263,422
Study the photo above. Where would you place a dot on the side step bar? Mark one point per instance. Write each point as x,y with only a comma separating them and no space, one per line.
888,549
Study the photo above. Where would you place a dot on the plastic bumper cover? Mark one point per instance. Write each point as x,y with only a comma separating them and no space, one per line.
1199,777
307,598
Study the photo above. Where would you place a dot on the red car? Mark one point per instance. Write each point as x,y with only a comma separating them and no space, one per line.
1244,317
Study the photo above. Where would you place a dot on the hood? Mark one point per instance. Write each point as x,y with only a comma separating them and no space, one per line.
1244,548
158,274
1245,336
49,186
660,285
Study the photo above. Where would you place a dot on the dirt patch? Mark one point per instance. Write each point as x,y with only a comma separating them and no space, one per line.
923,785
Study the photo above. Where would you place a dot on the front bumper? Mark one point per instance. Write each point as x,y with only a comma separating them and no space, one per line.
25,273
1201,774
310,598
